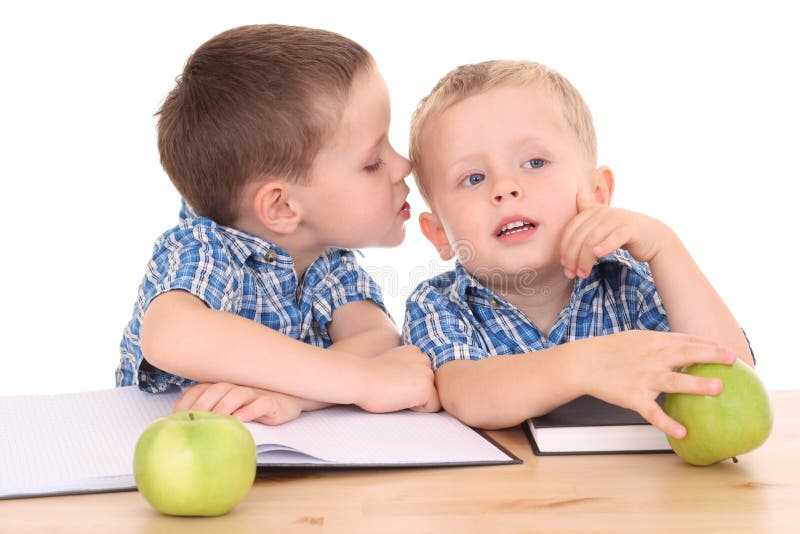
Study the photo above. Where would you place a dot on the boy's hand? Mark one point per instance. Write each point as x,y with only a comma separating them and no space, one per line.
598,230
245,403
397,379
634,367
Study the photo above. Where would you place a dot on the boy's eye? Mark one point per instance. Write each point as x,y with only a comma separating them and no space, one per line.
473,179
535,163
374,166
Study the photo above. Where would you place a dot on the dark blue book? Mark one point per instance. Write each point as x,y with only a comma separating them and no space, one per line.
588,425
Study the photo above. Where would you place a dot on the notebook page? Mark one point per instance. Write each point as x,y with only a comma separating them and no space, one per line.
69,442
349,435
84,442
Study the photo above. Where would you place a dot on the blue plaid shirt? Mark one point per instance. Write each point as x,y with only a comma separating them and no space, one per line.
242,274
453,317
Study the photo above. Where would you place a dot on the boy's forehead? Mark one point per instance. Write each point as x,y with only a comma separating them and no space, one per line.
365,114
509,97
516,110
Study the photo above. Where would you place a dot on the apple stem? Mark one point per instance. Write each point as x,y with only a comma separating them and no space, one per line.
191,418
735,459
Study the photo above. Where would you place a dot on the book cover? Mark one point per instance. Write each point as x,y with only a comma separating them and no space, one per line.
84,442
588,425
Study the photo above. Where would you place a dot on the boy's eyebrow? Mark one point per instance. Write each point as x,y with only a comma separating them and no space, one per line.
460,161
534,143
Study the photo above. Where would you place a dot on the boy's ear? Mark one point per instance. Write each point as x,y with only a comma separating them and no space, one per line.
432,228
275,208
602,185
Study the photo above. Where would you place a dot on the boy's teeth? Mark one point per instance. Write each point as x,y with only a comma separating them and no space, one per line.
513,227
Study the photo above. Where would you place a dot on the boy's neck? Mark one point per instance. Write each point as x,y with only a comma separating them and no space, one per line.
541,299
302,259
303,254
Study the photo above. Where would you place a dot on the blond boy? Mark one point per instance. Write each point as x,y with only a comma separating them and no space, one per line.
505,155
277,139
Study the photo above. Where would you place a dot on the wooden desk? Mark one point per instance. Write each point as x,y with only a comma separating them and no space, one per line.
639,493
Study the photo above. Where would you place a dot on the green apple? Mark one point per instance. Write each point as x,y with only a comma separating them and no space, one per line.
719,427
195,463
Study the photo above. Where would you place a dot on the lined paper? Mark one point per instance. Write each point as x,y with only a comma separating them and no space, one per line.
349,435
74,441
84,442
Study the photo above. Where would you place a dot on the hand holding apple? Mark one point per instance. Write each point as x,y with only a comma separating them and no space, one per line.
737,420
195,463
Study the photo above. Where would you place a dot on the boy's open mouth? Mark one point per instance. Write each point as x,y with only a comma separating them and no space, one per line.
514,226
405,211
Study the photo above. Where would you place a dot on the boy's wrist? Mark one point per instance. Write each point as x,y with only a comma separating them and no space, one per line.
362,377
579,371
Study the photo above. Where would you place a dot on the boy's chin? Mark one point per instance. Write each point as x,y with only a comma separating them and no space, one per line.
394,239
506,270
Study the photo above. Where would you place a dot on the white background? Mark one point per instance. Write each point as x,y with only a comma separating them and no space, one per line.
695,104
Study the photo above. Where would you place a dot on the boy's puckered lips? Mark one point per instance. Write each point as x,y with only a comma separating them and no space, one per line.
514,224
405,211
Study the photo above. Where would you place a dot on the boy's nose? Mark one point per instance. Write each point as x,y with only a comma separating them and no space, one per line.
403,169
504,191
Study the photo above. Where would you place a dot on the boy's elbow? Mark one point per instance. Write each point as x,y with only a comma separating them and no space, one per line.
156,343
161,335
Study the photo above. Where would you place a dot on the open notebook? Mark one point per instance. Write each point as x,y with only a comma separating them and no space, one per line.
84,442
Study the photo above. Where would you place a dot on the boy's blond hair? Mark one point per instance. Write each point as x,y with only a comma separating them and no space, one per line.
469,80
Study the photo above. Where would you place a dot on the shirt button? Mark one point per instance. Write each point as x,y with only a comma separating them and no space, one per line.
270,256
494,302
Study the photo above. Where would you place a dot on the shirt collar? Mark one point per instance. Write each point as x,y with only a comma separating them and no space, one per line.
245,246
466,287
242,245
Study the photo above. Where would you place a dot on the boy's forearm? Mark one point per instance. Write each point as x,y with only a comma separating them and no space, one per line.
369,343
503,391
362,328
181,336
692,305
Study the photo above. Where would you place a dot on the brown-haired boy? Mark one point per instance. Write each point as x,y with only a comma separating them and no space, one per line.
277,139
504,152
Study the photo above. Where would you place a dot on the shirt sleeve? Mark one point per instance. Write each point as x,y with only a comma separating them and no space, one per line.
437,327
194,263
640,291
199,267
346,282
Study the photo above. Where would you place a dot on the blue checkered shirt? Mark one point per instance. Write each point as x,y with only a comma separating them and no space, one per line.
239,273
454,317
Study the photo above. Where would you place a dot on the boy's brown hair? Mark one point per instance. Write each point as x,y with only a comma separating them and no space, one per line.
253,101
469,80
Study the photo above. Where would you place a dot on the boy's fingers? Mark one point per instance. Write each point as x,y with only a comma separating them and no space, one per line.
614,240
188,398
234,399
571,245
656,416
264,410
682,383
596,234
211,396
568,235
272,411
682,355
578,246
